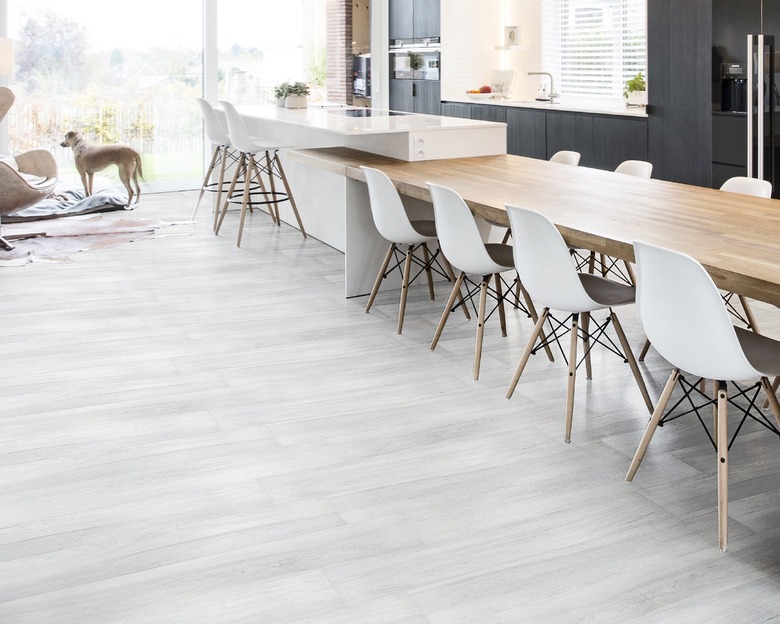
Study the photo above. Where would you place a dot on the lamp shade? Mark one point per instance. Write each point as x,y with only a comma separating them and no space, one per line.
6,56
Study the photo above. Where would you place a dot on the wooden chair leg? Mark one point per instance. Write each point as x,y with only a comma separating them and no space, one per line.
245,199
774,386
630,271
658,413
501,310
751,319
586,344
428,271
221,183
480,325
380,276
507,236
529,347
273,206
445,315
771,398
640,382
451,275
645,349
723,467
572,377
405,287
529,304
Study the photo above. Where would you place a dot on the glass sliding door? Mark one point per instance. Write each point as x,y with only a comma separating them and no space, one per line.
123,75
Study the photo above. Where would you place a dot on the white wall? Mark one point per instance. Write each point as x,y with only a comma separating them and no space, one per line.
470,32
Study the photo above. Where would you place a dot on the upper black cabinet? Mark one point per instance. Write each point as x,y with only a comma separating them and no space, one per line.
414,19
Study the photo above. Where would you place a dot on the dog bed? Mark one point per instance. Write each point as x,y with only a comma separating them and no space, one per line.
69,203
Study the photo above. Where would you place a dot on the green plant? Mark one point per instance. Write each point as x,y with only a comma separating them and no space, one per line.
415,60
637,83
282,90
298,88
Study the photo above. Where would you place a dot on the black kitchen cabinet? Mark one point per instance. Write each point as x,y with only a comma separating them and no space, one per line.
414,19
616,139
487,112
416,96
453,109
571,131
729,147
527,132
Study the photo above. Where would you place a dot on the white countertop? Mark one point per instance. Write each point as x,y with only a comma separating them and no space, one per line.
350,120
577,106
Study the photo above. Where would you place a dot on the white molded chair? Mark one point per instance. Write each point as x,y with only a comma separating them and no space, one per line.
462,244
638,168
216,136
254,159
393,223
542,260
748,186
684,317
566,157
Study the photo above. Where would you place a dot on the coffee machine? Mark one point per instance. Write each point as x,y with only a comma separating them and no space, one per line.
733,88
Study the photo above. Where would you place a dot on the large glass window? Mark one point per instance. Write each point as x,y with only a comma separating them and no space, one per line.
130,81
593,46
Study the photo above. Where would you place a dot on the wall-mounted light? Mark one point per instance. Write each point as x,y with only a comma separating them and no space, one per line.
6,57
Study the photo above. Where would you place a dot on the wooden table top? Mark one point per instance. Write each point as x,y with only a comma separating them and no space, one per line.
736,237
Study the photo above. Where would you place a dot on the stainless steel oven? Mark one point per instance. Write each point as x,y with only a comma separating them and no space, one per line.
415,59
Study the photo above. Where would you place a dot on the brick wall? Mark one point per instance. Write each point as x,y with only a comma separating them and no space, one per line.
339,55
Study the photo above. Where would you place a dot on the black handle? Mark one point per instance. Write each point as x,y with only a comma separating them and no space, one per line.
414,90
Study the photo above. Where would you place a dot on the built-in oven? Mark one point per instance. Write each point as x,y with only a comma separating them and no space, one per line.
415,59
361,75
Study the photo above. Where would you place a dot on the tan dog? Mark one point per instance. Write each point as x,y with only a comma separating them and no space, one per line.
92,158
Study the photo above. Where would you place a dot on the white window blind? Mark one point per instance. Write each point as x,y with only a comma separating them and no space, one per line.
593,46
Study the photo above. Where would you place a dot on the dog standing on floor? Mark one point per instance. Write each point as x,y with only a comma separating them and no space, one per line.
92,158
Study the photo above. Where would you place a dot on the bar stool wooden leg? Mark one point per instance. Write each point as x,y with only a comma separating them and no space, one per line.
233,182
245,199
220,184
209,170
273,205
289,193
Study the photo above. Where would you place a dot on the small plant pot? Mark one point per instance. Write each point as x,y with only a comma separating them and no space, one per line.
280,101
636,98
295,101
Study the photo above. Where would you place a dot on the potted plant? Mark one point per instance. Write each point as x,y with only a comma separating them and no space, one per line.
296,95
635,91
415,63
280,93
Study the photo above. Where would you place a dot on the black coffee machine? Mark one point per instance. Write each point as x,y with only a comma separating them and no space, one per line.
733,88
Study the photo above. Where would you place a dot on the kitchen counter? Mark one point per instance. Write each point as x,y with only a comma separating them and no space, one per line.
406,136
575,106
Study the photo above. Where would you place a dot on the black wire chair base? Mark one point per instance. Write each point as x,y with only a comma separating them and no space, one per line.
698,401
473,293
585,261
742,318
399,257
591,337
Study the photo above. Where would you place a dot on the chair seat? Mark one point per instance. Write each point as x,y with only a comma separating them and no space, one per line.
607,292
762,352
425,227
502,255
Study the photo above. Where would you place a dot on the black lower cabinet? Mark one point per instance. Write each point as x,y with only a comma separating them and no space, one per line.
526,132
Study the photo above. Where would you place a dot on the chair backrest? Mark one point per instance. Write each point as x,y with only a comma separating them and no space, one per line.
215,133
639,168
683,315
388,210
458,233
748,186
544,263
566,157
239,137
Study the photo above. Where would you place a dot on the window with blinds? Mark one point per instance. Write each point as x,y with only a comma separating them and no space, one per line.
593,46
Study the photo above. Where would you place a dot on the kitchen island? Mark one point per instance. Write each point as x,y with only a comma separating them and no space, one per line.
334,208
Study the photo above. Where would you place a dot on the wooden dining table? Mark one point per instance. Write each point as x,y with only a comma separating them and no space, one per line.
735,237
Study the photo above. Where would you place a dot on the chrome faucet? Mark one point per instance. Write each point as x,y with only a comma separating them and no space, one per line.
553,94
